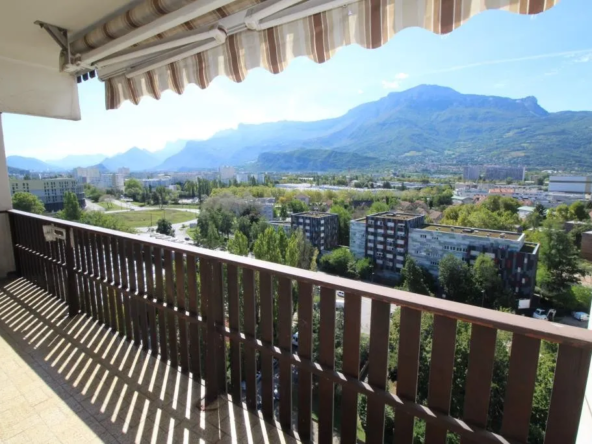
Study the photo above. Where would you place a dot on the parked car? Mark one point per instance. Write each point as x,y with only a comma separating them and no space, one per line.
295,339
539,313
580,315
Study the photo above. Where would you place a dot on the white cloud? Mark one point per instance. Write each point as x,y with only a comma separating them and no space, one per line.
584,59
390,85
360,91
402,76
499,85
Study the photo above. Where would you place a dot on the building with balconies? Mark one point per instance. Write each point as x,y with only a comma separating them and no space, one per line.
516,259
387,239
357,237
50,191
321,229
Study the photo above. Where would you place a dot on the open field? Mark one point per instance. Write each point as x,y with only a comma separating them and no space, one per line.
110,207
148,218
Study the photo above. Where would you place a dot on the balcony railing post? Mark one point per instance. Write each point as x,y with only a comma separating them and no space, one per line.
72,288
15,252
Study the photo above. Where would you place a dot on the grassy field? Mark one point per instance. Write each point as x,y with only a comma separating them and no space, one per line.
110,207
136,219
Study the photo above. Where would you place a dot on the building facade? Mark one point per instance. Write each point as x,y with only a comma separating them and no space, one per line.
357,237
267,205
321,229
49,191
114,181
471,172
503,173
586,250
90,175
571,184
227,173
161,181
517,260
387,237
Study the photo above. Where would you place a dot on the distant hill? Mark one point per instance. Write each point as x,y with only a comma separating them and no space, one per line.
420,125
12,170
170,149
30,163
78,160
135,159
314,160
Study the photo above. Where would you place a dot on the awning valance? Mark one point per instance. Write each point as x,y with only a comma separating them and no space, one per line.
168,44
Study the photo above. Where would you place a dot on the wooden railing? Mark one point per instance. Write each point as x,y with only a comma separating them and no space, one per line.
211,314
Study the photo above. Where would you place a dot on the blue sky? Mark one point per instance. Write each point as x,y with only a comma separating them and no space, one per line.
548,56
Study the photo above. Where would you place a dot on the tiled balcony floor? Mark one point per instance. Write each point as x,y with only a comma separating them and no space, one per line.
71,380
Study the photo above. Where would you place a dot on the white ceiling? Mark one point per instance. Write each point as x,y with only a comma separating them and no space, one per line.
21,39
30,81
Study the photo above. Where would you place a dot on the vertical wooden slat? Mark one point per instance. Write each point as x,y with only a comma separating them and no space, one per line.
111,284
218,312
249,311
119,285
206,277
266,323
133,289
377,368
79,255
15,235
89,274
170,299
180,280
102,252
194,345
234,324
520,388
150,295
351,367
441,370
123,267
72,291
142,316
285,313
480,370
407,370
158,269
305,352
567,400
327,359
94,250
52,281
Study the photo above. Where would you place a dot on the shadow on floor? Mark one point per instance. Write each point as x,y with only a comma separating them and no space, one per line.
74,380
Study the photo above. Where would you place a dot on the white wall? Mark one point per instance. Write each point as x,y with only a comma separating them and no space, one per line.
585,430
6,254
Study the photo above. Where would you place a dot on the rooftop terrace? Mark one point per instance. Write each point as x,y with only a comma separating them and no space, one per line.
317,214
395,215
479,232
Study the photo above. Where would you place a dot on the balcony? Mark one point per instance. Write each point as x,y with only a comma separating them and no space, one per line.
143,340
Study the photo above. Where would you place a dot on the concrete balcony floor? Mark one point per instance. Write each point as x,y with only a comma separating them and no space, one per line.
71,380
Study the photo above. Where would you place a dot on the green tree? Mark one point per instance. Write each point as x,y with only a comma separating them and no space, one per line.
133,189
488,281
297,206
413,278
72,210
378,207
344,217
364,268
27,202
340,262
163,226
267,247
559,260
161,196
577,211
456,280
239,244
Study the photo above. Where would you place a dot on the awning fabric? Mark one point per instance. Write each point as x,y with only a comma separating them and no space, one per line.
368,23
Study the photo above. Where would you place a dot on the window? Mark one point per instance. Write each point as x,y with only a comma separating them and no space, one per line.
423,236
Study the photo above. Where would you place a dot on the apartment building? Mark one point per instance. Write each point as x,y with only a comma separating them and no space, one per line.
227,173
160,181
387,237
321,229
114,181
90,175
49,191
503,173
571,184
471,172
517,259
357,237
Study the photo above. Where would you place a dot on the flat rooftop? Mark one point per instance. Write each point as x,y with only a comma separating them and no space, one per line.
529,247
479,232
395,215
314,214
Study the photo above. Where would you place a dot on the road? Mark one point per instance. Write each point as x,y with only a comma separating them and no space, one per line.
91,206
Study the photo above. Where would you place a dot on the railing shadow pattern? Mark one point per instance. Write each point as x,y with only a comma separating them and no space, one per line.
122,393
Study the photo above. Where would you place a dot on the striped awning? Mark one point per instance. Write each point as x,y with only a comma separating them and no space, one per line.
236,37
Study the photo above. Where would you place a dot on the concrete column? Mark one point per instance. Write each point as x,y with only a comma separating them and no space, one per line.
6,252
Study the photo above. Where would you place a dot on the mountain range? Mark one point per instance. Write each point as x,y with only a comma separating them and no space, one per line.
425,124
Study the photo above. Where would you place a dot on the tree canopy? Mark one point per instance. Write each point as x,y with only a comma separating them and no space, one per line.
27,202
